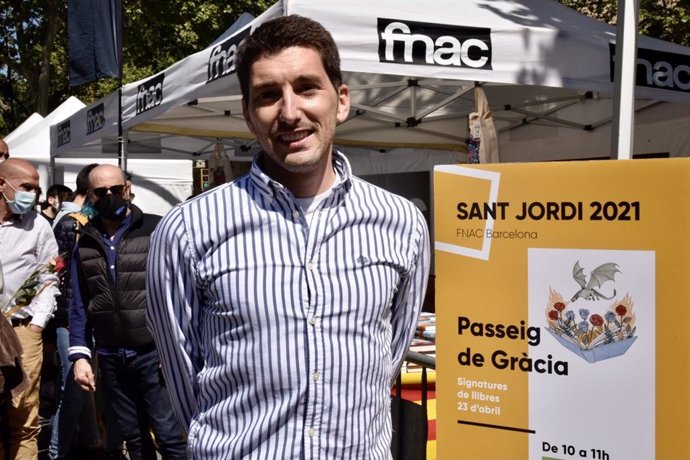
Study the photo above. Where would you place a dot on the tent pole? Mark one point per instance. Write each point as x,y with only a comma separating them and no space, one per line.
125,147
51,167
121,160
623,127
121,154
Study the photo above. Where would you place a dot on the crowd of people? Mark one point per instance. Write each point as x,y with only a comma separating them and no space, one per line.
74,251
265,318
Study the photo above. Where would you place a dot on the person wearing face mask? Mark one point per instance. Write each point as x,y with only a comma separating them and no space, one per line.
55,196
26,244
76,409
108,303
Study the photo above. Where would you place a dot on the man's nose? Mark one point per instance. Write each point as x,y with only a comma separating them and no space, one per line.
289,108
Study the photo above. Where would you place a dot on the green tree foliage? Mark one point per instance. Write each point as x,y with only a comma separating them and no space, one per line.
665,19
33,40
29,34
33,47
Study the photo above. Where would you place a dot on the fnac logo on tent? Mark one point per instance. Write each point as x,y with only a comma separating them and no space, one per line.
658,69
222,60
409,42
150,93
95,119
64,133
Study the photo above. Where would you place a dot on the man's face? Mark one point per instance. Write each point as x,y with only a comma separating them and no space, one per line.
105,180
20,178
293,109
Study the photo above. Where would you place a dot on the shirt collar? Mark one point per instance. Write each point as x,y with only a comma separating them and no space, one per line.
124,225
270,187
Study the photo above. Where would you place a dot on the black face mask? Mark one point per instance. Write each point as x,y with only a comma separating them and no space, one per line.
111,207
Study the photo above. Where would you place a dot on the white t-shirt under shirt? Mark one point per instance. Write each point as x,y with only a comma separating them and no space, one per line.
310,204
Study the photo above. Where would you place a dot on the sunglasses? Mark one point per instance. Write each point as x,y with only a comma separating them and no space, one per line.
100,192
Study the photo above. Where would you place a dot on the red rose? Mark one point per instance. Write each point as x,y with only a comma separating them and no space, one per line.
621,310
59,265
596,320
553,315
560,306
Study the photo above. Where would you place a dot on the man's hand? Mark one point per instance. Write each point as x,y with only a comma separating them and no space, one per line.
83,375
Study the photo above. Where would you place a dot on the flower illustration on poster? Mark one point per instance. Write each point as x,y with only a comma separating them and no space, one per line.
589,332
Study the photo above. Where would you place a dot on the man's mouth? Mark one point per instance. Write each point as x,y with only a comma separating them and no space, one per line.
289,138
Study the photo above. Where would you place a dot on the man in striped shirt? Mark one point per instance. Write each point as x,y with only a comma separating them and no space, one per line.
283,303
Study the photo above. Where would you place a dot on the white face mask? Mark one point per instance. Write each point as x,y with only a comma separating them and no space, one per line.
23,201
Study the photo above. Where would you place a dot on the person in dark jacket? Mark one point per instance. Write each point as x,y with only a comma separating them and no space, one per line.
75,407
109,303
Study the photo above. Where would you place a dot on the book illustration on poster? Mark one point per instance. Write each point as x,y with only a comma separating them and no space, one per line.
592,336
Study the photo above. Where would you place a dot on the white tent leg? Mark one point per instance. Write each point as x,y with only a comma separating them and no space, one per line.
125,148
623,128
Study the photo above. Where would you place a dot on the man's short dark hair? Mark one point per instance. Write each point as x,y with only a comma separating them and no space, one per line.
281,33
62,192
83,179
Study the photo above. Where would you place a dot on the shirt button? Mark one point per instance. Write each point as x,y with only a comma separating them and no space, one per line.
295,214
311,432
311,265
112,248
112,267
315,376
313,320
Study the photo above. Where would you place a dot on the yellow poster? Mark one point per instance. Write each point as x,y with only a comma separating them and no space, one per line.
562,329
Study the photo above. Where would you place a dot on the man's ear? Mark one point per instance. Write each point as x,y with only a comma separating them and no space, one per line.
343,103
127,194
247,120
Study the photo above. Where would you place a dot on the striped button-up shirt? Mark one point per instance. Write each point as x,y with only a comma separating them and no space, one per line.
280,336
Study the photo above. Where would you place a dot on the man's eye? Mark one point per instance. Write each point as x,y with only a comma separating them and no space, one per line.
265,97
307,89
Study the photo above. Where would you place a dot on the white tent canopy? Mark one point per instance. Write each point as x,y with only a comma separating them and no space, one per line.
31,139
546,69
34,119
158,186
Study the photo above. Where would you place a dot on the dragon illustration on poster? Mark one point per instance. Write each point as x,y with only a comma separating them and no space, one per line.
597,278
592,336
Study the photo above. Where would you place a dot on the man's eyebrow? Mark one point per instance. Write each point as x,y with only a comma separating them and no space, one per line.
308,78
29,186
311,79
262,86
